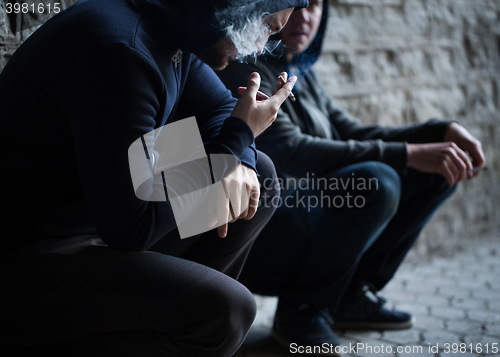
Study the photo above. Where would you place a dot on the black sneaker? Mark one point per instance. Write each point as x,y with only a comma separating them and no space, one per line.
305,330
367,312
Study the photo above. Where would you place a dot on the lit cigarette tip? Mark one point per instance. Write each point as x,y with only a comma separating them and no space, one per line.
282,81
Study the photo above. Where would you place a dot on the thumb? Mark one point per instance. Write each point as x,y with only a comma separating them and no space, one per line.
252,86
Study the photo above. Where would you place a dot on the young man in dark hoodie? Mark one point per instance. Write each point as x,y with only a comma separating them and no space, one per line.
329,249
86,267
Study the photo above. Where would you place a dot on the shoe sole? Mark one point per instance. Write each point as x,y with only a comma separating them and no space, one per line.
374,325
283,342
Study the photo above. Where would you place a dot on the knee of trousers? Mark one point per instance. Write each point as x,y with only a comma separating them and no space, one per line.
269,185
385,185
230,311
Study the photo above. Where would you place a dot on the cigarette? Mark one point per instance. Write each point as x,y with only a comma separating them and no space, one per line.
282,81
477,169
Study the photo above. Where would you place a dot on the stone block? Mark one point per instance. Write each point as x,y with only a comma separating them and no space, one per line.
350,23
464,326
4,24
376,66
433,301
484,316
444,102
335,69
492,330
468,303
417,18
441,337
402,337
429,322
446,18
389,22
6,52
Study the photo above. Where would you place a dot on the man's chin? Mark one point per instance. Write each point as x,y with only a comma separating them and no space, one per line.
214,59
220,67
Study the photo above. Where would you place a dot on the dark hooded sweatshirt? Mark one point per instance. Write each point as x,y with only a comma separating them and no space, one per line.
87,84
313,135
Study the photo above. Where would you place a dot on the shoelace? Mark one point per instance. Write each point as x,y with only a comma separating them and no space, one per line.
372,295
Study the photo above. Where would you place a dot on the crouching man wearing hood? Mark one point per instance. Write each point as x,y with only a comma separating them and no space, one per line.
354,199
90,267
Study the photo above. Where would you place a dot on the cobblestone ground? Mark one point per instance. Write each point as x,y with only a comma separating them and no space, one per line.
456,301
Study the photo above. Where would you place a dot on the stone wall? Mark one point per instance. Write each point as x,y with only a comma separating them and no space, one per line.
401,62
404,61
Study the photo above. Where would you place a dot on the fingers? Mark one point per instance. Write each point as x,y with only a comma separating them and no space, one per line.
465,160
478,158
260,95
222,231
253,203
447,173
460,163
468,144
253,86
235,199
454,167
445,158
223,210
457,163
282,82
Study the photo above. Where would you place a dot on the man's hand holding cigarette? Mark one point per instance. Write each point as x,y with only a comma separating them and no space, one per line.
460,155
257,109
240,195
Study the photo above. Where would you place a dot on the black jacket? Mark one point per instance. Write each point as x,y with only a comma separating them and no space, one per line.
87,84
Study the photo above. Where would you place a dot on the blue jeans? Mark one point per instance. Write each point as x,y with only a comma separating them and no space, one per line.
335,234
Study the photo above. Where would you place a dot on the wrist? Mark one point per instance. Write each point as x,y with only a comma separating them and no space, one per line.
410,154
449,133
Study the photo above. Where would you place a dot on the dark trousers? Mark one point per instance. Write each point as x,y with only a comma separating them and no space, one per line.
77,297
327,240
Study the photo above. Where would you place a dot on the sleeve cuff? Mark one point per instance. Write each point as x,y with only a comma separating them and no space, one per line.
249,157
395,155
234,138
440,127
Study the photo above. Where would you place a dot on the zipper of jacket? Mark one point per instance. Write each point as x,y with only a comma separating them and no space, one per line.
177,58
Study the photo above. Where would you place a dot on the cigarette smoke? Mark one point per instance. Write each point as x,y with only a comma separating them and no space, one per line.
252,33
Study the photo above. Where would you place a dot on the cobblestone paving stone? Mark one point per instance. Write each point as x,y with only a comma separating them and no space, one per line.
456,300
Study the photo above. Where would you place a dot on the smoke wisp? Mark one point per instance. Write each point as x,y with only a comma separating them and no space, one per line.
250,37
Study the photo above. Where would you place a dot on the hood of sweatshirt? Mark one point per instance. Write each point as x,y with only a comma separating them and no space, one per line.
196,25
305,60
